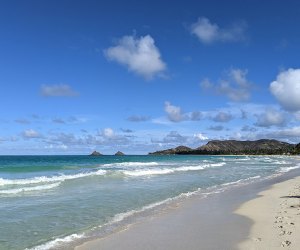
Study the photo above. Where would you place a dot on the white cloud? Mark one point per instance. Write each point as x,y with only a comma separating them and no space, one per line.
286,89
173,137
201,137
60,146
208,32
235,86
271,117
174,113
139,55
57,90
291,135
30,134
108,133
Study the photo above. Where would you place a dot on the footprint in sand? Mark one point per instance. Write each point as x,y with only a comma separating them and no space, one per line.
257,239
282,233
286,243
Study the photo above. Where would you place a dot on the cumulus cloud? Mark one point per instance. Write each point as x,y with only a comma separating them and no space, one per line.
58,90
139,55
208,32
222,117
108,133
271,117
172,138
138,118
175,114
200,137
235,86
31,134
291,135
286,89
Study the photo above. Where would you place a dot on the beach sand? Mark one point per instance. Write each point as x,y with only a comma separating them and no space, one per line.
276,217
263,215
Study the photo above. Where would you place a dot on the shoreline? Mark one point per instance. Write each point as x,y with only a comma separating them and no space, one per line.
217,224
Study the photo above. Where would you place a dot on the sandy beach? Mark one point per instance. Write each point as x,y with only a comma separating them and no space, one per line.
276,217
263,215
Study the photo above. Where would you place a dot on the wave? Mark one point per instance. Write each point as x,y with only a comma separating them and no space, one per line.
116,219
144,172
54,243
28,189
241,180
160,171
47,179
130,164
287,169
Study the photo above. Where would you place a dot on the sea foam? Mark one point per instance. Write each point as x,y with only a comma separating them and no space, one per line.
161,171
28,189
55,243
131,164
47,179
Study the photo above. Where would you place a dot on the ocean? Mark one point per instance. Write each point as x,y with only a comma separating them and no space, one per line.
54,202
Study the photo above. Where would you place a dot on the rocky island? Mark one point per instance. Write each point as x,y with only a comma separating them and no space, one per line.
96,153
119,153
233,147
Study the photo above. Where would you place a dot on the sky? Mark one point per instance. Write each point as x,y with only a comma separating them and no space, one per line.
141,76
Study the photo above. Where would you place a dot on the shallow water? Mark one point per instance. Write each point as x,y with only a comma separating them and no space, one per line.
46,201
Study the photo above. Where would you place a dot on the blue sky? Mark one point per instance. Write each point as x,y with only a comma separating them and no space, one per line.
140,76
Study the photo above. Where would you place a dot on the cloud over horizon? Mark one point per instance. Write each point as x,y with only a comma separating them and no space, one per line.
31,134
139,55
271,117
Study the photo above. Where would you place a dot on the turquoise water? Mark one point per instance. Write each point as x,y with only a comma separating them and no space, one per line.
46,202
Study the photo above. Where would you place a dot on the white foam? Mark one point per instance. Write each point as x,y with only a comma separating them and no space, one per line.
46,179
120,217
131,164
241,180
287,169
218,164
117,218
28,189
161,171
54,243
145,172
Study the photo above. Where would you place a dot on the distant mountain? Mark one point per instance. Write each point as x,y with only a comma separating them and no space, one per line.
95,153
119,153
233,147
173,151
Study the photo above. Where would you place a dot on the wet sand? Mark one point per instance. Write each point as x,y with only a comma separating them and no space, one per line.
229,220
